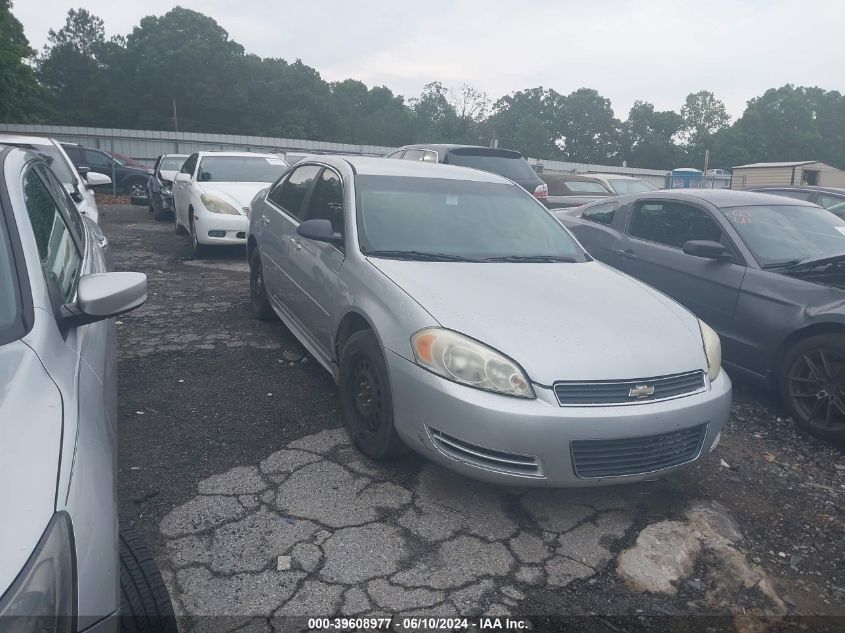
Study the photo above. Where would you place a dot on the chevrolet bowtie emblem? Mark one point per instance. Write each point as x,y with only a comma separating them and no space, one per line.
641,391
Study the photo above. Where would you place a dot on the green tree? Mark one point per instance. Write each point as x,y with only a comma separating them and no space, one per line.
704,116
528,121
21,98
648,137
591,133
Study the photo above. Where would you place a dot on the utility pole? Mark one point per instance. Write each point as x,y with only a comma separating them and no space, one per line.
175,118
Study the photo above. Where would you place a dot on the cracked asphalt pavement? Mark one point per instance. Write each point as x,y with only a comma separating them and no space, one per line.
235,469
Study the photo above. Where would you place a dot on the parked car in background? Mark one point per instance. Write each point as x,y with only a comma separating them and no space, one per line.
160,184
64,564
129,180
567,190
78,184
830,198
212,192
426,290
619,184
505,162
125,160
768,273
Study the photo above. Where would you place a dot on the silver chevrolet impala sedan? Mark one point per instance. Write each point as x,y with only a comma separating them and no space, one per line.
460,319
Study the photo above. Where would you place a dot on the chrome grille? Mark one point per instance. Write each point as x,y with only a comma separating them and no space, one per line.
623,391
490,459
637,455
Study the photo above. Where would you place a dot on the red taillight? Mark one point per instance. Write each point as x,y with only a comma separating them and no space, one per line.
541,192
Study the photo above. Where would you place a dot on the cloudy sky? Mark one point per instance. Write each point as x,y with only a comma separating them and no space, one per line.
655,50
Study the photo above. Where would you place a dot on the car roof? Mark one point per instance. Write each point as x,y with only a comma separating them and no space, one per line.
836,190
717,197
174,156
624,177
373,166
16,139
242,154
451,146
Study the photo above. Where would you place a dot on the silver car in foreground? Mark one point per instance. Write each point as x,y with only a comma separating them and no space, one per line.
63,564
461,319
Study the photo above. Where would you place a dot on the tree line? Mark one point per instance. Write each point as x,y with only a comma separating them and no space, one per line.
82,78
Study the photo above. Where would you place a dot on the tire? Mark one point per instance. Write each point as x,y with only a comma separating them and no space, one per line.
812,386
136,188
199,249
259,304
159,214
145,605
366,399
177,228
138,201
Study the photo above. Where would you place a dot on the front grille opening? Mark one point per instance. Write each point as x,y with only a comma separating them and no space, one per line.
241,235
487,458
576,393
636,455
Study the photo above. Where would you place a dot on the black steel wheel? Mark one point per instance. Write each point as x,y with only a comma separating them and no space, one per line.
366,399
136,189
199,248
259,304
813,386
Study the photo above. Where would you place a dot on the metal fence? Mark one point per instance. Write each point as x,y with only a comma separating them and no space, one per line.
146,145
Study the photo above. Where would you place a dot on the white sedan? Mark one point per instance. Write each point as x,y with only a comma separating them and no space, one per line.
212,192
79,187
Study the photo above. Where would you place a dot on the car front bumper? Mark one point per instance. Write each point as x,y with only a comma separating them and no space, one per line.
233,228
529,442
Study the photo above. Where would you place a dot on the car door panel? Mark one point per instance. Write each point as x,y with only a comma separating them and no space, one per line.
708,288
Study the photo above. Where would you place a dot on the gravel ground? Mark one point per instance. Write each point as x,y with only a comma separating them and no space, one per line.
252,511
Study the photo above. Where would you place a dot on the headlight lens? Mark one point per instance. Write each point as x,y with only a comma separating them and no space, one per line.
166,191
466,361
216,205
712,349
42,596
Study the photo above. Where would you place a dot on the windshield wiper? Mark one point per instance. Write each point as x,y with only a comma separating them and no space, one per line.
530,258
811,262
786,264
420,256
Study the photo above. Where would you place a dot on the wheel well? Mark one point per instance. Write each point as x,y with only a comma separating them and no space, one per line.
352,322
793,339
190,213
250,246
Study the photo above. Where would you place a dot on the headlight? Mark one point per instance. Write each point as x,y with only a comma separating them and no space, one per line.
42,597
466,361
166,191
712,349
216,205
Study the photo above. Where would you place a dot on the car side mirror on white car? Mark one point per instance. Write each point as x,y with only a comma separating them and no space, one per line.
182,177
95,178
101,296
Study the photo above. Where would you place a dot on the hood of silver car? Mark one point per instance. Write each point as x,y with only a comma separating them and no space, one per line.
30,445
238,194
559,321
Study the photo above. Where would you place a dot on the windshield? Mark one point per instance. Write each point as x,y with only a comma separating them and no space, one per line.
621,185
240,169
9,300
514,166
54,158
782,235
458,219
172,163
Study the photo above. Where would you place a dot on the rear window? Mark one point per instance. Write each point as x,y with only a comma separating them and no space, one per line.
621,185
503,162
583,186
240,169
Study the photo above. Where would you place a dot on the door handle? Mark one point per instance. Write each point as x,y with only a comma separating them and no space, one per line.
296,243
265,219
627,254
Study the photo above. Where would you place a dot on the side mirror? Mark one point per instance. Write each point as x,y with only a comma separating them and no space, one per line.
94,179
104,295
83,171
707,249
319,230
182,177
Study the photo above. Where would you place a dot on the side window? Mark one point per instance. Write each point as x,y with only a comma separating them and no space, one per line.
601,213
59,255
63,198
413,154
190,164
836,205
96,159
396,154
430,157
799,195
672,224
327,200
290,194
72,153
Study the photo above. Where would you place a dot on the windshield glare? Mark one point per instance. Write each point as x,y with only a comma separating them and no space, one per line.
55,159
513,168
240,169
172,163
475,220
784,234
631,186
